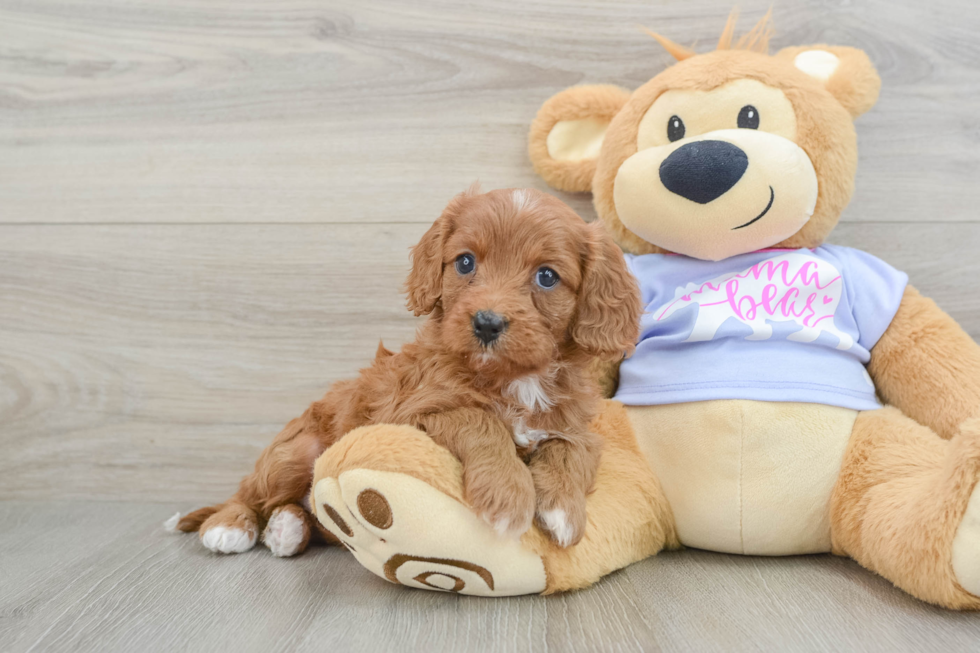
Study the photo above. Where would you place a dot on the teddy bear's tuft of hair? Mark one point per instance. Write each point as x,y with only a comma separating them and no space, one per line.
756,40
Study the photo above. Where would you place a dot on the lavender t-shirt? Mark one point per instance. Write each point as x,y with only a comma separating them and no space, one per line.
772,325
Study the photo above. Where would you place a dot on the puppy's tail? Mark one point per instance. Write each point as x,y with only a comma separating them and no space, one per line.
383,352
191,522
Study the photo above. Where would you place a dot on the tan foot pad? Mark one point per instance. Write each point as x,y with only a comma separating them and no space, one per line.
407,532
966,546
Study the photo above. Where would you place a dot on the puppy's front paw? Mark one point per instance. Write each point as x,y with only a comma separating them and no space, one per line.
563,518
502,496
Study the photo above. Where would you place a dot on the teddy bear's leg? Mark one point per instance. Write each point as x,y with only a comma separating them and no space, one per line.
394,498
902,506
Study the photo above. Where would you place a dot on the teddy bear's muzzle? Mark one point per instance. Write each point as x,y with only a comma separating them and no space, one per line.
717,194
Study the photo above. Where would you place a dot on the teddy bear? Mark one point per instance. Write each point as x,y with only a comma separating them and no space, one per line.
786,396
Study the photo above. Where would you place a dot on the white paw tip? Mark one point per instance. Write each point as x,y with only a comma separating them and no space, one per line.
284,534
505,528
223,539
171,524
556,522
501,527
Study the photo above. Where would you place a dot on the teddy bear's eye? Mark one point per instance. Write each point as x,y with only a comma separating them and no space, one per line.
675,129
748,117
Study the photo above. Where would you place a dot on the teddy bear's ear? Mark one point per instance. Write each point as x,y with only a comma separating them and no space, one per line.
846,73
567,133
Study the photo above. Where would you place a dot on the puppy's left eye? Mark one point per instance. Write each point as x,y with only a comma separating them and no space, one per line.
546,277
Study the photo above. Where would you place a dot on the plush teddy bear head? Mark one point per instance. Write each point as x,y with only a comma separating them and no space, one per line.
722,153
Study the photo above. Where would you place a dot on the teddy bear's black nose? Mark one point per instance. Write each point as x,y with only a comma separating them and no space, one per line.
703,170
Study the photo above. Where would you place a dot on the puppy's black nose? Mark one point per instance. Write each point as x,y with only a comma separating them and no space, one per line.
703,170
487,326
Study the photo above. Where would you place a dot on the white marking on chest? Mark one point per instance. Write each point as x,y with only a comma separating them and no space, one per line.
525,437
528,392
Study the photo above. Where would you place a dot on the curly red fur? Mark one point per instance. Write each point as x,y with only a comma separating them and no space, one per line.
532,379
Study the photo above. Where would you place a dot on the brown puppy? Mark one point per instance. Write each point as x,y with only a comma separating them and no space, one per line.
522,296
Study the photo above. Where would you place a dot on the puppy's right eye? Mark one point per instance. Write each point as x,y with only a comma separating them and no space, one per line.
465,263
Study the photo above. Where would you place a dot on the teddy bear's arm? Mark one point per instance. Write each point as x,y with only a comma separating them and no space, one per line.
927,366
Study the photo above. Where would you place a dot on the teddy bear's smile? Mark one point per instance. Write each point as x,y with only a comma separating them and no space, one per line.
772,196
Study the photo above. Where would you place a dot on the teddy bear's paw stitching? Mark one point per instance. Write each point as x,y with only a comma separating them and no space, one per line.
228,539
286,534
407,532
966,546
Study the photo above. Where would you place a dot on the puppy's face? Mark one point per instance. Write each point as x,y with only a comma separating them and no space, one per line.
511,273
516,279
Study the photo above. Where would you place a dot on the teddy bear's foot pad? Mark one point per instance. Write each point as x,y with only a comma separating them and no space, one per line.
407,532
966,546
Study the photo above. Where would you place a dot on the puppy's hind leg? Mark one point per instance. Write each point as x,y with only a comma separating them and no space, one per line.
226,528
280,481
288,530
191,522
232,529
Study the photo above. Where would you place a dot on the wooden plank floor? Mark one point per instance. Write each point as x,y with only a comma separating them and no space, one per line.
205,210
107,578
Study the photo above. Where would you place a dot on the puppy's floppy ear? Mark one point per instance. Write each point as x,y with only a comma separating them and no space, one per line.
424,283
607,323
567,134
846,73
